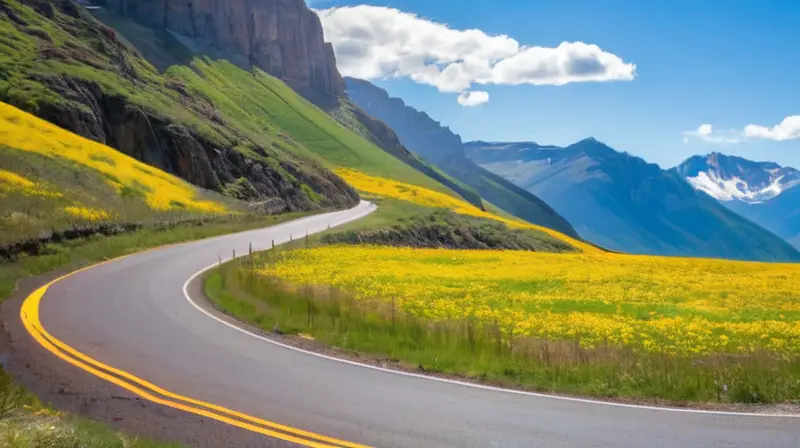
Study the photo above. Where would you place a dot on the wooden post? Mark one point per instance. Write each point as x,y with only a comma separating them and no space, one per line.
273,244
393,317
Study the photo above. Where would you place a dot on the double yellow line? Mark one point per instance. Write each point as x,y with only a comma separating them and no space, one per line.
30,318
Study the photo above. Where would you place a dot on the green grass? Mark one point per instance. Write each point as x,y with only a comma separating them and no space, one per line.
263,103
465,349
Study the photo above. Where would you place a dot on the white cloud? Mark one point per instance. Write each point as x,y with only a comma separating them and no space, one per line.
373,42
473,98
706,133
788,129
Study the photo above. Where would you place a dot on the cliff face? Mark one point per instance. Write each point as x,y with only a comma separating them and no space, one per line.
282,37
78,74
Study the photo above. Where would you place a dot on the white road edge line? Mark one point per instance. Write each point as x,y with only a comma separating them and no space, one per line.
450,381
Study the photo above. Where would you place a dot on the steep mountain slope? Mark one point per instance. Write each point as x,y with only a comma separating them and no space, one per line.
622,202
281,37
763,192
52,181
244,134
441,147
61,64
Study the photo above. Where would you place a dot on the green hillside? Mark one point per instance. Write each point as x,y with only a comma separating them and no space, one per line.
244,134
53,181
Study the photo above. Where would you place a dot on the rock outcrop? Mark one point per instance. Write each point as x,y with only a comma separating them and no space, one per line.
282,37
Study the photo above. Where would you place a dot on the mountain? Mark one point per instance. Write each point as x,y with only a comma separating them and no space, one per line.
729,178
764,192
621,202
282,37
241,133
440,146
61,64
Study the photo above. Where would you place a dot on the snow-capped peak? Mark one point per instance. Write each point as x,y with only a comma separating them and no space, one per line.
729,178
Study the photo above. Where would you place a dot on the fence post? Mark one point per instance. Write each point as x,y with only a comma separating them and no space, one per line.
394,329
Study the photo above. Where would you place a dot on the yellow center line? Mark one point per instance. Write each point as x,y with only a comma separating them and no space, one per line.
29,314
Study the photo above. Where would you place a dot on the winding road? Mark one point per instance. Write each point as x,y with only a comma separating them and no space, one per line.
129,321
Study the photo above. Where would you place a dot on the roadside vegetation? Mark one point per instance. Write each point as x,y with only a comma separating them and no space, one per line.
26,423
382,187
583,321
600,325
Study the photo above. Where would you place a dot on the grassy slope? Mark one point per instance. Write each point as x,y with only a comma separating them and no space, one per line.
57,181
215,98
266,108
69,67
377,132
257,99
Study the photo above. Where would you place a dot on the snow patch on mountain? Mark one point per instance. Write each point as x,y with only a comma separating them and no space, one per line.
731,178
734,188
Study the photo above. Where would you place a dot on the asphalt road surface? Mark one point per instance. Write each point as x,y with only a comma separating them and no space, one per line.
132,314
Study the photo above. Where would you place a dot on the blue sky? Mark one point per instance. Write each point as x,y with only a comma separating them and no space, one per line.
723,63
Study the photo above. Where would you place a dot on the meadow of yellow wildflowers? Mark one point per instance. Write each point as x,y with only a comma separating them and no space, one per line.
675,306
24,132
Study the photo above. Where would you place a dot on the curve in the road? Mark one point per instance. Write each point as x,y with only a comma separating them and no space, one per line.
29,313
30,319
146,328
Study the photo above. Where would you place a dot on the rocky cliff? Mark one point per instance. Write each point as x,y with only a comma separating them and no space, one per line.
66,67
282,37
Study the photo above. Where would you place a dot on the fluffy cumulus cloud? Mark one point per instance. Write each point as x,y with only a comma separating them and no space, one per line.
373,42
706,133
473,98
788,129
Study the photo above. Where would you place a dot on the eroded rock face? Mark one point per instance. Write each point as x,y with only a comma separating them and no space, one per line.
282,37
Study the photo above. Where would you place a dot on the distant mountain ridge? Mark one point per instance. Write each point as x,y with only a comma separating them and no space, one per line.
764,192
440,146
621,202
728,178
